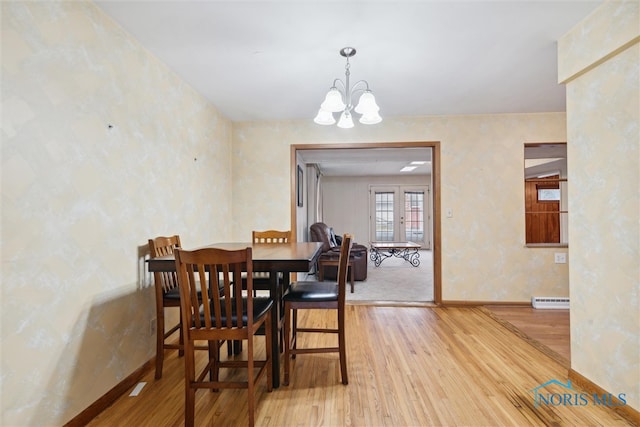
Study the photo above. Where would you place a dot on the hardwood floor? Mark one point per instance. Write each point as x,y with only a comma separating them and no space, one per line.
546,329
408,366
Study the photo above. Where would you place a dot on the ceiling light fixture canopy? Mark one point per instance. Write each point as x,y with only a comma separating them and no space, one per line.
338,100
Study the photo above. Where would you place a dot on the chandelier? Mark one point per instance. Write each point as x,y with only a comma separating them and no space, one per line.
338,100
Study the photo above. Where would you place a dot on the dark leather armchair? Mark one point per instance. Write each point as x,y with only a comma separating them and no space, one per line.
321,232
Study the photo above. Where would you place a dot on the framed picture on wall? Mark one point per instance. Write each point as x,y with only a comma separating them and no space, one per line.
299,187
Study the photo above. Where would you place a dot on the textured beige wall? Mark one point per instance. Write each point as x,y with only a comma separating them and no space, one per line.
79,201
482,170
603,119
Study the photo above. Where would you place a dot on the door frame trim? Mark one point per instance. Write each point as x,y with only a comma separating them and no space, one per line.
435,181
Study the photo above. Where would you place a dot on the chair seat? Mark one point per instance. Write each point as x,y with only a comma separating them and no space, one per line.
261,307
311,291
174,294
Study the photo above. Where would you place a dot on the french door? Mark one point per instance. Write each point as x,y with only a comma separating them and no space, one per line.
400,214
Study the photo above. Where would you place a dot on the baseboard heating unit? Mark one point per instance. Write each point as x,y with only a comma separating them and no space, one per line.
550,302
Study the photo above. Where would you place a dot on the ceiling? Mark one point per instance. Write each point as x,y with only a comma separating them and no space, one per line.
542,159
369,161
275,60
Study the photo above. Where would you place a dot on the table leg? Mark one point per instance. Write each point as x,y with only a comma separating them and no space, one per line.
353,275
276,294
412,256
376,257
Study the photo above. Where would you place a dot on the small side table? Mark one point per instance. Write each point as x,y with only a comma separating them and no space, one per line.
323,262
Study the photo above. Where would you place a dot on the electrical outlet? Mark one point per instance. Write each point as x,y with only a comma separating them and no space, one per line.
152,326
561,258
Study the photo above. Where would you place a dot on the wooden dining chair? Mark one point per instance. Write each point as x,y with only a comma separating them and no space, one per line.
271,236
167,295
261,279
317,295
229,315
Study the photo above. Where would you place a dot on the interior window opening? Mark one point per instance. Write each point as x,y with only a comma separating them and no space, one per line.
545,181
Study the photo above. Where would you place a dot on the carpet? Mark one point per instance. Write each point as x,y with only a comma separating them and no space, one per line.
396,280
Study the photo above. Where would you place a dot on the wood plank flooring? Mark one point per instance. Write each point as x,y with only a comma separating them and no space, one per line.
408,366
548,330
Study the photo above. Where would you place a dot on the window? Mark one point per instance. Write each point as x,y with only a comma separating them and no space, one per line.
548,195
545,192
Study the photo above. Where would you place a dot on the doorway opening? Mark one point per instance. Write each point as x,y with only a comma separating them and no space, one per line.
419,222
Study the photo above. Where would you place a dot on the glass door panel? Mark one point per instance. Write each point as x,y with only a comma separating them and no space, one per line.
413,222
384,216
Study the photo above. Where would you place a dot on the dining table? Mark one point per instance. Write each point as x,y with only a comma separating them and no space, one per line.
279,260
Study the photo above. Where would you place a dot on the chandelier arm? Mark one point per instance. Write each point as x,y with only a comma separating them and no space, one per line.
361,81
355,87
337,80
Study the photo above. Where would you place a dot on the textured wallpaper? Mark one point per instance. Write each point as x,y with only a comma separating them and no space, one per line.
80,198
603,119
482,172
103,147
